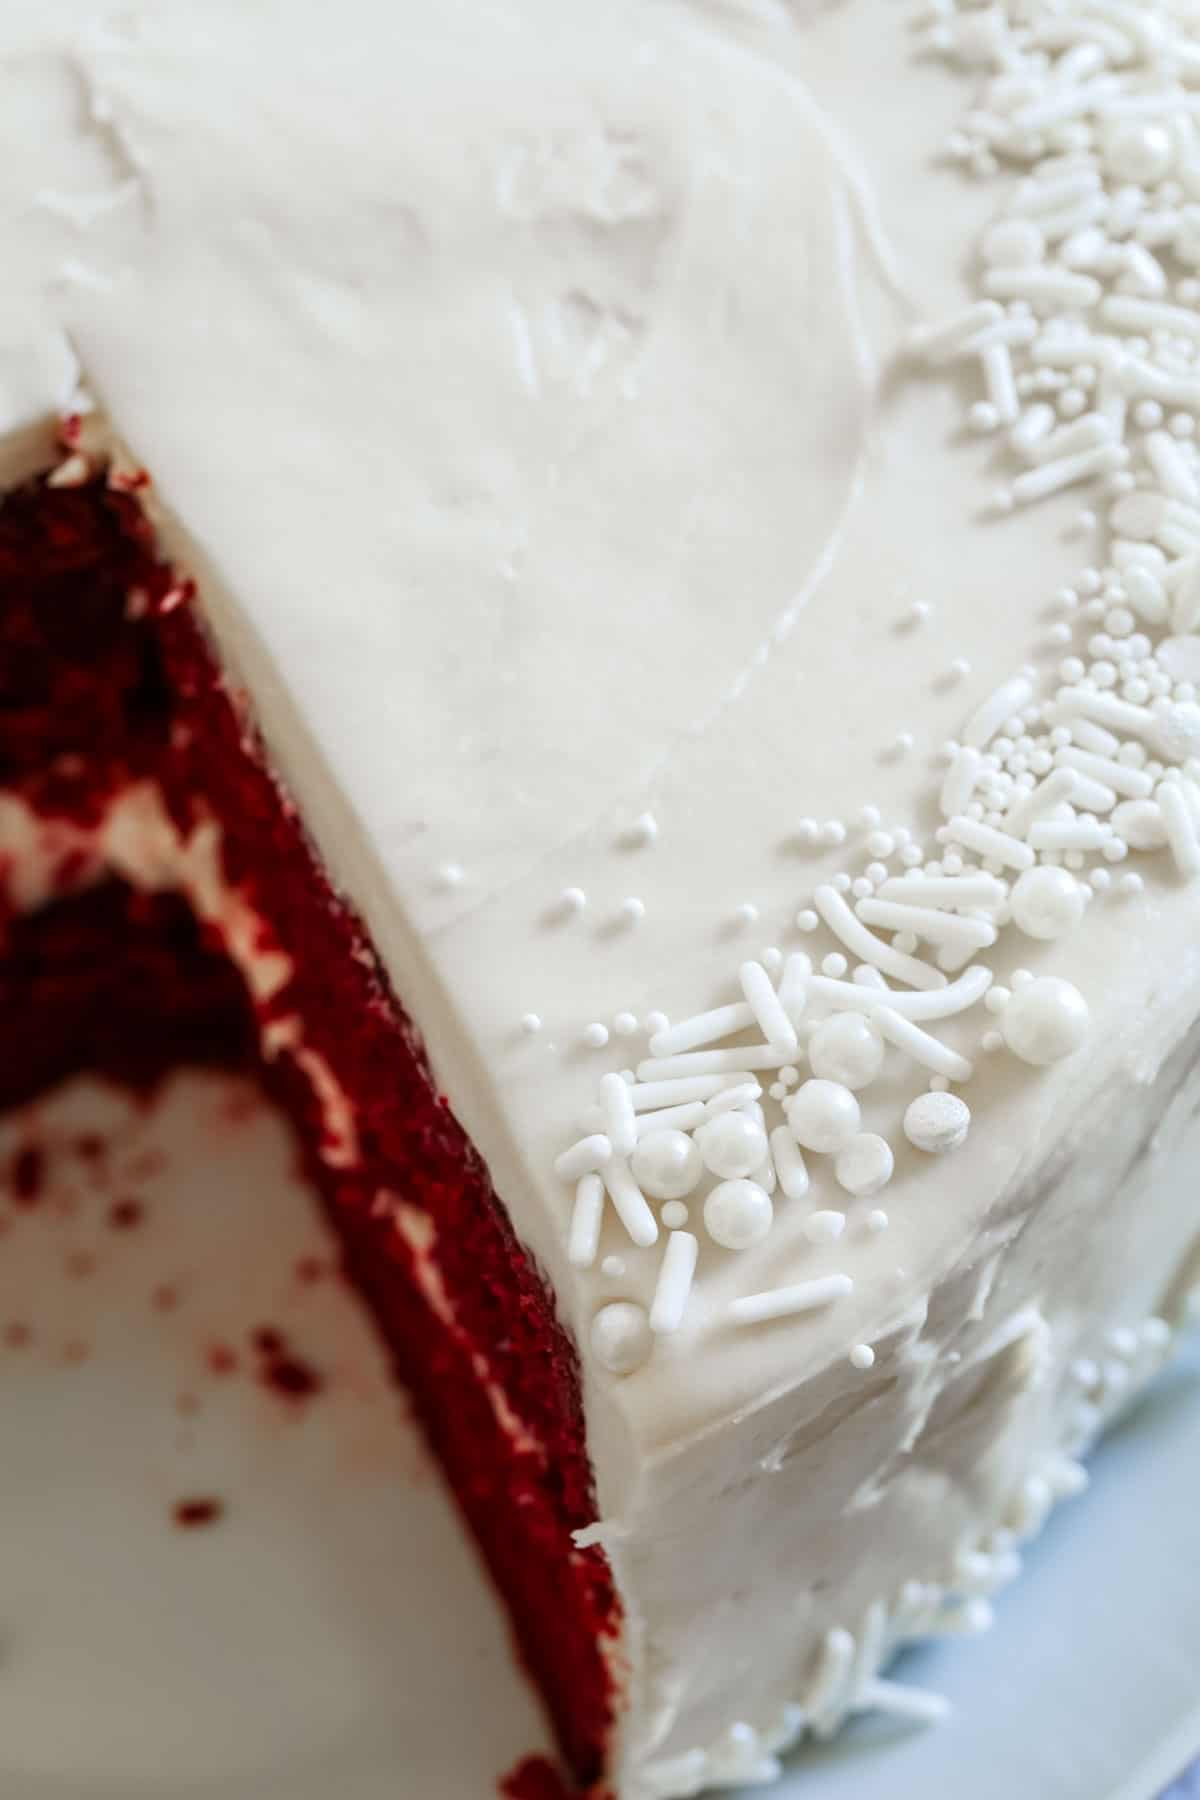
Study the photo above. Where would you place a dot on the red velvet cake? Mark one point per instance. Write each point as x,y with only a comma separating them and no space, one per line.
100,695
617,611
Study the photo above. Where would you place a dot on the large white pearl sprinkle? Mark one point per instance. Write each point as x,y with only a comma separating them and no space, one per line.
738,1214
846,1048
1045,1020
621,1337
666,1165
733,1144
1047,902
823,1115
865,1164
937,1123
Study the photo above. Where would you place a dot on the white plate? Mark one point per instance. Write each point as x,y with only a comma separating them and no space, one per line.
330,1634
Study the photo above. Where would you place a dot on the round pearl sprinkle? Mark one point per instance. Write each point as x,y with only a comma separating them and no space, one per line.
625,1024
613,1267
823,1115
632,910
733,1144
824,1227
621,1338
667,1164
937,1122
877,1222
738,1214
862,1357
572,900
595,1036
674,1215
846,1048
1045,1021
1046,903
865,1164
531,1024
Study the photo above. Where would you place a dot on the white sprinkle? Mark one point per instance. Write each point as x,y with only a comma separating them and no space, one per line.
595,1035
712,1062
1042,286
625,1024
865,945
631,1204
862,1356
987,719
1133,783
1172,468
671,1118
732,1098
937,1123
572,900
701,1029
789,1163
939,344
613,1267
824,1227
1052,477
834,1662
584,1238
1133,314
1069,834
806,919
648,1095
1001,383
632,910
769,1014
674,1283
974,890
745,915
531,1024
877,1221
967,991
961,779
986,841
620,1336
1035,423
1180,828
656,1022
905,1702
617,1106
784,1302
643,831
588,1154
928,923
1084,433
922,1046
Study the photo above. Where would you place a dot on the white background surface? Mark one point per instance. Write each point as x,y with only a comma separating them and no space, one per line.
330,1634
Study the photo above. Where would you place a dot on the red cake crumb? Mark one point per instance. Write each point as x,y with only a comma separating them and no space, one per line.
124,1215
28,1175
190,1514
309,1270
165,1297
221,1359
282,1370
17,1335
535,1778
96,693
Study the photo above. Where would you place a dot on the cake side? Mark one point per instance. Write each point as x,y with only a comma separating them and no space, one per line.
162,906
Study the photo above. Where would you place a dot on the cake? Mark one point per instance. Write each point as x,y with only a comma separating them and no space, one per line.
609,596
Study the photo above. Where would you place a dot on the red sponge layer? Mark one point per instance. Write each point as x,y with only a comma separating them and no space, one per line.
106,676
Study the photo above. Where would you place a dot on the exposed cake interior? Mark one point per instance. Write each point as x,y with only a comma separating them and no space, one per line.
162,904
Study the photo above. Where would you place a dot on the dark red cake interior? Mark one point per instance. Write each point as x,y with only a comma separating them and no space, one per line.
106,678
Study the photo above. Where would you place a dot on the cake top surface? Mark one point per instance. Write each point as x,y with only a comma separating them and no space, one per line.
564,409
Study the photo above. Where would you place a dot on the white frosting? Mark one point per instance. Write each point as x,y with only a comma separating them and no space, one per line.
520,384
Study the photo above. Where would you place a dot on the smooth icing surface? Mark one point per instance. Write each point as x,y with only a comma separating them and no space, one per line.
531,392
